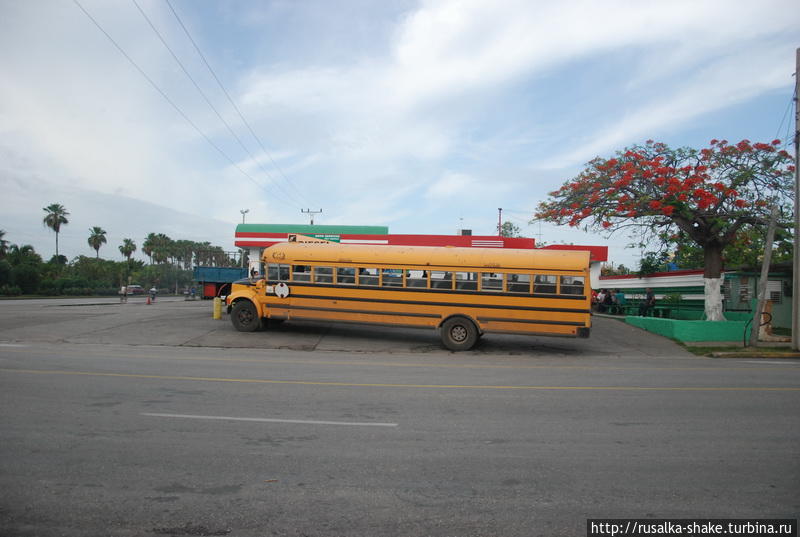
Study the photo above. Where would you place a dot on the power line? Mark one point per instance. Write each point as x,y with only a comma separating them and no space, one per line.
166,98
207,100
785,114
230,100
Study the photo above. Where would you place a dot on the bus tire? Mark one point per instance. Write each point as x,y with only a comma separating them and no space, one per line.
459,334
244,316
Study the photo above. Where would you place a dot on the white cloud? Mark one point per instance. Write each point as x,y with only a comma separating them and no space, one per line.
730,81
447,109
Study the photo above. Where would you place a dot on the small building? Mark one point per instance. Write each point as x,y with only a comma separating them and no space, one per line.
739,288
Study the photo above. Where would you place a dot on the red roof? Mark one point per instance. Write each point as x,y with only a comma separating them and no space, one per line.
683,272
263,240
597,253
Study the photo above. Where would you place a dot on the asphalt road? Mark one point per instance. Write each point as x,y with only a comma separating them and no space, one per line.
136,420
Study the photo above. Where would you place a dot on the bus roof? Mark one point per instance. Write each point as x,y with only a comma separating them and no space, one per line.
489,258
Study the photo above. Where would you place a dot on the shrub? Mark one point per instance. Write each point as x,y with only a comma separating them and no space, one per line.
26,277
10,290
5,272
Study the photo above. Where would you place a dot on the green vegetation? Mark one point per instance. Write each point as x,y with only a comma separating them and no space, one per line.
55,218
97,238
23,272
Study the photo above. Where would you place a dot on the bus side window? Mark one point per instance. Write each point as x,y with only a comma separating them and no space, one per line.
301,273
519,283
323,274
346,275
467,281
417,278
367,276
571,285
392,278
544,283
491,281
441,279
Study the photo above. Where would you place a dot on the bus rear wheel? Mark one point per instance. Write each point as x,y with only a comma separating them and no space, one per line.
244,316
459,334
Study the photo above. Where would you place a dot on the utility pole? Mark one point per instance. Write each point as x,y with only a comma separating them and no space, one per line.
796,264
762,283
310,212
499,221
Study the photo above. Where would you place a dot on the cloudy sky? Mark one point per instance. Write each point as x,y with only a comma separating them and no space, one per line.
425,116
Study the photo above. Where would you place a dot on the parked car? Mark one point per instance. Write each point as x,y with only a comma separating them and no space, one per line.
135,290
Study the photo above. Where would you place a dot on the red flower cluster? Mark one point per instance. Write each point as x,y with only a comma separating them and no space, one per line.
645,182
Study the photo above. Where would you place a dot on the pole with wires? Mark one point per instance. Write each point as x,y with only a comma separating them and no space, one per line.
796,259
311,213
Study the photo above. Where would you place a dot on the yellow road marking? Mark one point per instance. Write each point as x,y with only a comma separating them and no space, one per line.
393,385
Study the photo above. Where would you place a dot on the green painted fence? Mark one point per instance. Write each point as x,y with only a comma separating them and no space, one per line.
732,330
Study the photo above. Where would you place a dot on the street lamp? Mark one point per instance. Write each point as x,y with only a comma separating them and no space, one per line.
241,252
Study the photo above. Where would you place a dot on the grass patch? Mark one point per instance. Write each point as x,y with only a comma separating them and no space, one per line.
744,352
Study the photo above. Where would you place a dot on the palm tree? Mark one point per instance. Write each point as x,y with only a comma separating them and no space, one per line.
127,248
56,217
162,248
3,244
17,255
149,245
97,238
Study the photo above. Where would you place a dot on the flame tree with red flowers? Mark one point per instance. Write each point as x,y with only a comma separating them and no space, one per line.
710,196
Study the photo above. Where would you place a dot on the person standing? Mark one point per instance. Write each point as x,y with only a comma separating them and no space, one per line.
123,294
601,301
648,302
620,301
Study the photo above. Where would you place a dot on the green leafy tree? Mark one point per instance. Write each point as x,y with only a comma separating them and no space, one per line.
619,270
3,244
23,255
712,196
747,250
509,229
55,218
97,238
26,277
5,272
26,267
652,262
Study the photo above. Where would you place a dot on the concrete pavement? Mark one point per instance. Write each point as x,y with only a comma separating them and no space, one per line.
135,420
174,321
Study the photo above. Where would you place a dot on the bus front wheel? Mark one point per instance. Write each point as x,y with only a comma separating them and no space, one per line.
244,316
459,334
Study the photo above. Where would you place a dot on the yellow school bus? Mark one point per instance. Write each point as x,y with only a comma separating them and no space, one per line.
463,292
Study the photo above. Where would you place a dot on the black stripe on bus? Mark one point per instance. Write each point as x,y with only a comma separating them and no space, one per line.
528,321
433,290
368,312
444,304
373,323
439,268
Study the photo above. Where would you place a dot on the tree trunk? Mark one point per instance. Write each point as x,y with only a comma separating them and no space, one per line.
712,280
